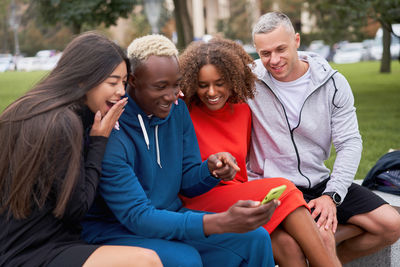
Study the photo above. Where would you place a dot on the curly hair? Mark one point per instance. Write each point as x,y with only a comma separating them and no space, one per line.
230,59
150,45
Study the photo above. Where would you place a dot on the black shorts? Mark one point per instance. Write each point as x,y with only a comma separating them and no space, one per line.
358,200
73,256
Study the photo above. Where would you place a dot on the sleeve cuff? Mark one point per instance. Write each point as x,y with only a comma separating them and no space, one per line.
195,227
207,177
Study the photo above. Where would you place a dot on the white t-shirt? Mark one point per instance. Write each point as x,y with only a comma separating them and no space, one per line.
292,94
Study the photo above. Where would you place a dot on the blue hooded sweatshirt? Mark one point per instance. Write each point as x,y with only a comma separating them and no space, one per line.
147,163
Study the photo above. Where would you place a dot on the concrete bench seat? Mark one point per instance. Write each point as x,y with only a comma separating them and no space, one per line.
389,256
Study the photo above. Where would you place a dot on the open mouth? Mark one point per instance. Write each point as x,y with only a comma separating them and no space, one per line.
110,104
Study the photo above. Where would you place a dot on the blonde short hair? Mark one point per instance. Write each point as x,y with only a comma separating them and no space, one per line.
151,45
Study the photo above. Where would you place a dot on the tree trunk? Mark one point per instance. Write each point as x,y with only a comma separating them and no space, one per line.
5,34
76,28
386,56
183,23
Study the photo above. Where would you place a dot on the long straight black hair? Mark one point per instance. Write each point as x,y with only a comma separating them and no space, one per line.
41,133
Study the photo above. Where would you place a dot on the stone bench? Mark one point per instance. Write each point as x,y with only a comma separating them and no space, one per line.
389,256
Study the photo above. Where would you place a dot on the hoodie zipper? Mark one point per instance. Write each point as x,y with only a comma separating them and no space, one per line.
291,134
298,124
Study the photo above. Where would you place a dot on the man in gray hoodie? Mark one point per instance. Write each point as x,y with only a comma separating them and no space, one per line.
301,107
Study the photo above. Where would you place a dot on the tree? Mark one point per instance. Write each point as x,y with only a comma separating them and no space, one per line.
77,13
343,20
386,13
238,25
183,24
292,8
5,33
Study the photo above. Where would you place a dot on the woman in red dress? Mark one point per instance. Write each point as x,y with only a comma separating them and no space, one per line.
216,81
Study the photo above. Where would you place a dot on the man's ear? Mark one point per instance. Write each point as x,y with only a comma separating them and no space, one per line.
297,39
131,80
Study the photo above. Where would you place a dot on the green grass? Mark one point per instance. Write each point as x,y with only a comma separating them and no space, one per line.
14,84
377,99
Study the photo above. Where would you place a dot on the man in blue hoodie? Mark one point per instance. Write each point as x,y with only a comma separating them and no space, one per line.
152,158
301,107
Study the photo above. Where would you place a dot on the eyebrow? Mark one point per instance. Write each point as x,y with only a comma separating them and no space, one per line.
117,76
219,80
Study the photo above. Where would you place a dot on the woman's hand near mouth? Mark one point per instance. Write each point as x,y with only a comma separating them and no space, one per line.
103,126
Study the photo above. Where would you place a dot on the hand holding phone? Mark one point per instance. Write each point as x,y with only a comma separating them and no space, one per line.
274,193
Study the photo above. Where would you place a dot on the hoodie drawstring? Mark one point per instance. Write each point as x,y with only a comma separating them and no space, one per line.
146,139
157,147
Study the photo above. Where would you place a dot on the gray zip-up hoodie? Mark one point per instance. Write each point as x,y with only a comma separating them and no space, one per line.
327,116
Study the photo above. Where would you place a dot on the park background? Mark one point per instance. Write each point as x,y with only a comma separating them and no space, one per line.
28,26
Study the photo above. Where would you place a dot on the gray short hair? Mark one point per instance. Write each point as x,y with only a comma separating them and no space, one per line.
270,21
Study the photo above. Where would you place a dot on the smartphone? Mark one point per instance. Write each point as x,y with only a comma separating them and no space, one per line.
274,193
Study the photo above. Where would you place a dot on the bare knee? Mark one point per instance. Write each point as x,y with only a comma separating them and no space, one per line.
123,256
328,238
391,229
387,222
285,247
148,257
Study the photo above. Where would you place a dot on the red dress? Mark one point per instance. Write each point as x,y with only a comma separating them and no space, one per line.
228,129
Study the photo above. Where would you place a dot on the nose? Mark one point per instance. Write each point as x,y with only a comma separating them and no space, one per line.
274,58
172,94
211,90
121,89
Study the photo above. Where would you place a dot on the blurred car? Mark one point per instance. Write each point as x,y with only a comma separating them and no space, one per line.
38,62
319,47
46,53
368,45
6,62
251,50
51,62
350,53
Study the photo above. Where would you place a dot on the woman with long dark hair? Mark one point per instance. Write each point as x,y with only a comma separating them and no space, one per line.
52,142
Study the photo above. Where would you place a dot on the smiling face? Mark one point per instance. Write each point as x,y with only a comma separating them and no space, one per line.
155,85
106,94
278,53
212,90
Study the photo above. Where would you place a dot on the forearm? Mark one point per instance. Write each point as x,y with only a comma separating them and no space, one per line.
197,181
89,175
346,138
348,157
212,224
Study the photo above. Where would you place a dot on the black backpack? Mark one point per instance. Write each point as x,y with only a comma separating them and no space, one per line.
385,175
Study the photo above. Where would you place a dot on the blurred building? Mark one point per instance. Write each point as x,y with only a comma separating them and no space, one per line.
206,13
